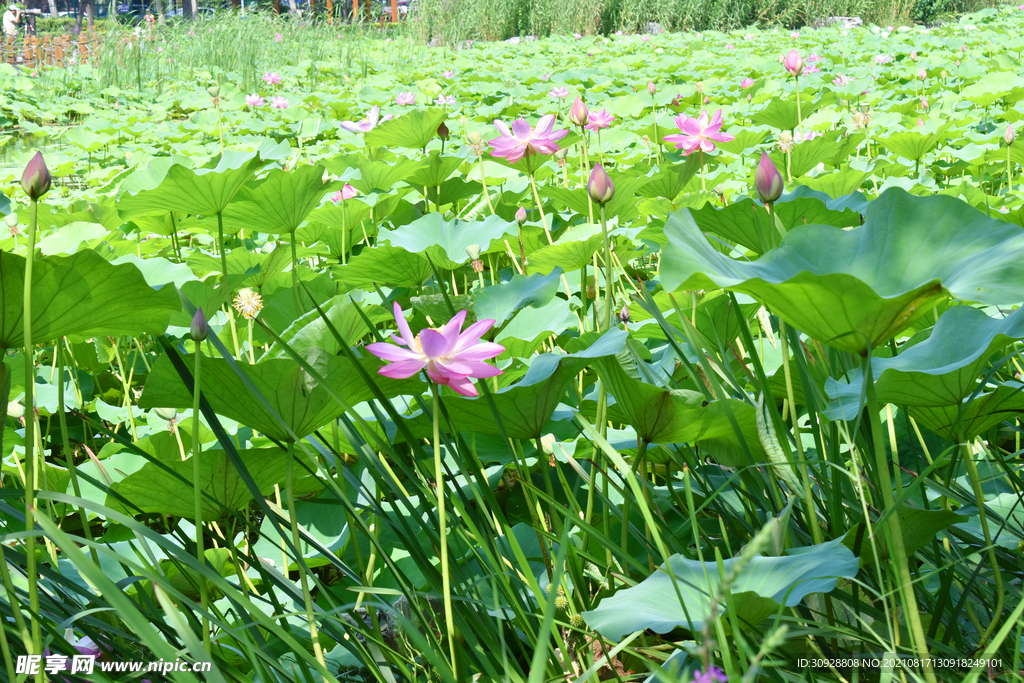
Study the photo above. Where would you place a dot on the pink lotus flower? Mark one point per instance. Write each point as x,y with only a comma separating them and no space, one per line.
278,37
346,192
793,64
698,134
730,46
577,36
373,118
599,119
279,102
841,80
882,59
746,83
405,99
811,58
546,77
254,100
924,103
920,121
560,92
913,55
523,140
448,74
794,35
272,78
442,100
450,355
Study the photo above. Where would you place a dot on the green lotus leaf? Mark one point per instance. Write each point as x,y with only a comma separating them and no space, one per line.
444,241
855,289
913,145
807,154
571,251
501,301
623,204
918,528
434,170
384,265
302,403
760,587
783,113
940,371
80,296
279,203
670,181
967,420
311,331
413,130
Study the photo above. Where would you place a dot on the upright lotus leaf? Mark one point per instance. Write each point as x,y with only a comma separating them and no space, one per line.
206,191
303,404
571,251
783,113
444,241
526,331
661,415
414,130
807,154
80,296
153,489
526,407
670,181
940,371
346,214
500,302
760,587
434,170
855,289
914,145
384,265
278,203
377,176
745,139
966,420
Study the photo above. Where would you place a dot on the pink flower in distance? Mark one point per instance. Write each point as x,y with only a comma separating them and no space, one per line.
254,100
841,80
730,46
599,119
811,58
448,74
346,192
812,69
279,102
522,140
450,355
746,83
882,59
278,37
442,100
577,36
794,35
698,134
561,92
373,117
272,78
404,99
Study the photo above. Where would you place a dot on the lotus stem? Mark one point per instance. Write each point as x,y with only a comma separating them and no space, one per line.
703,183
223,249
483,182
1009,172
69,453
442,528
799,113
979,500
295,276
607,272
30,441
536,199
196,450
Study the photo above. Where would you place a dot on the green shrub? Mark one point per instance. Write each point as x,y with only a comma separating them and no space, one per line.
59,25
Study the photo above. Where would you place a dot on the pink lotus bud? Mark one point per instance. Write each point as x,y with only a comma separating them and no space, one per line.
1008,136
963,48
922,74
924,103
793,64
578,113
920,121
767,180
521,216
600,185
624,314
707,100
36,178
199,328
651,88
913,55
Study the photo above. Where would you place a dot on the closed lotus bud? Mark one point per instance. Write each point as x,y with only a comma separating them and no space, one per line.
1008,136
651,88
578,113
913,55
560,154
521,216
474,137
793,63
624,314
767,180
214,90
473,251
924,103
920,121
442,131
600,185
36,178
200,328
922,74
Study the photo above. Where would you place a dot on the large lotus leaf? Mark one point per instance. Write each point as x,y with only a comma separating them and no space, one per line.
783,113
153,489
572,251
917,526
303,404
806,155
204,191
913,145
80,296
525,332
839,184
384,265
434,170
661,415
759,588
253,268
414,130
380,175
347,214
444,241
526,407
311,331
326,525
278,203
980,415
855,289
745,139
940,371
1007,508
739,221
501,301
670,181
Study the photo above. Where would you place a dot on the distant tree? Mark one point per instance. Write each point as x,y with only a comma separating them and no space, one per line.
85,7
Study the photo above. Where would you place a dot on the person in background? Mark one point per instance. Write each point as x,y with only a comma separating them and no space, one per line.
11,18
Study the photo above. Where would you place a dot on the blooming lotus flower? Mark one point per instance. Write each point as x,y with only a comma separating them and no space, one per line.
254,100
522,140
448,74
279,103
405,98
599,119
811,58
278,37
346,192
272,78
698,134
442,100
812,69
841,80
35,179
560,92
450,355
746,83
794,35
767,180
546,77
373,117
577,36
600,185
793,64
882,59
730,46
